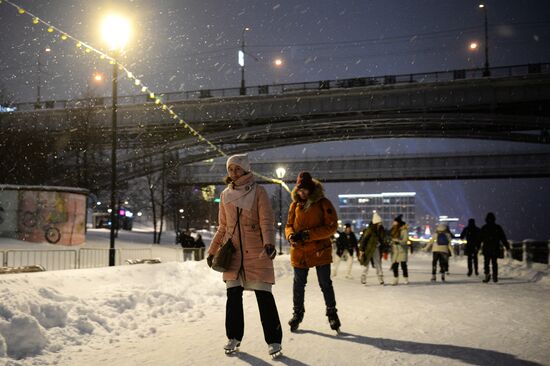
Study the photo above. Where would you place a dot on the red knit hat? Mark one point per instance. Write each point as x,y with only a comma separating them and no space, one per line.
305,181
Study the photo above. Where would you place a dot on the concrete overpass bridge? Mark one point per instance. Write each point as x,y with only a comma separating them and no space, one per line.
385,168
511,105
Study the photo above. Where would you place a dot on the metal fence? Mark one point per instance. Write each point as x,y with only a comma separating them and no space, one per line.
53,260
94,257
274,89
531,251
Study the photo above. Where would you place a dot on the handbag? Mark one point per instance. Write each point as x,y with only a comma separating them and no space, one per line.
222,258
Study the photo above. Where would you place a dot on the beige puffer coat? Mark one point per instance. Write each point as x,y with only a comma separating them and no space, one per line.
256,231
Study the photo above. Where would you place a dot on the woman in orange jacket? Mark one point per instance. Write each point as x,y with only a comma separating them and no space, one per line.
311,222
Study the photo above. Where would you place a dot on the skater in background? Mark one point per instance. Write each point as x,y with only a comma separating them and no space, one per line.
440,244
472,234
246,217
399,235
346,245
492,237
311,222
370,245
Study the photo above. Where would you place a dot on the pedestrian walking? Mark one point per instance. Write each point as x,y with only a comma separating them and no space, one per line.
492,241
187,243
399,235
246,221
440,244
346,245
311,222
472,235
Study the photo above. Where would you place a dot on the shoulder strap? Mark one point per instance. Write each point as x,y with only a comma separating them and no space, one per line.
238,220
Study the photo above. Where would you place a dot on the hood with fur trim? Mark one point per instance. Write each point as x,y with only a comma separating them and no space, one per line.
315,196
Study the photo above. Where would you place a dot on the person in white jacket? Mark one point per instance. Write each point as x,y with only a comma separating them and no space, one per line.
440,244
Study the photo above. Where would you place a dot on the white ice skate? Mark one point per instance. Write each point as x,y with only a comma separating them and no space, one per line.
364,279
232,346
395,281
274,350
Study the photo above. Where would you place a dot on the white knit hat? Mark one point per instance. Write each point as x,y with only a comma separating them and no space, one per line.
376,218
240,160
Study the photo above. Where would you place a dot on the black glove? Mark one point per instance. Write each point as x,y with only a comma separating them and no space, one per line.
299,236
209,260
271,251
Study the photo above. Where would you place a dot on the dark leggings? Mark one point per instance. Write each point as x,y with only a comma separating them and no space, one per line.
234,315
395,269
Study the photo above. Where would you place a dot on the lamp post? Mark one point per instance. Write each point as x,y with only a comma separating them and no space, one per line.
38,77
280,172
116,31
278,64
486,71
242,90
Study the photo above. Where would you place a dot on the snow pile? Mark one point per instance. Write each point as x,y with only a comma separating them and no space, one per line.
537,273
45,312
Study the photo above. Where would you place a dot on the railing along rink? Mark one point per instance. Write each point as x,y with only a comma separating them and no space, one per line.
81,258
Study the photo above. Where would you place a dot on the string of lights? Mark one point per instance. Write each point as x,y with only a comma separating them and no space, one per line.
89,49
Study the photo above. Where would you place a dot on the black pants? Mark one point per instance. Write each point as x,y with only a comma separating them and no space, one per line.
300,281
472,263
443,259
395,269
234,315
493,260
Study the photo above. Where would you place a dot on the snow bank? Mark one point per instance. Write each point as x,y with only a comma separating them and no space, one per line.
45,312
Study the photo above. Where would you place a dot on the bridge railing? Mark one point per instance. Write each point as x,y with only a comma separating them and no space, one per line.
49,259
274,89
531,251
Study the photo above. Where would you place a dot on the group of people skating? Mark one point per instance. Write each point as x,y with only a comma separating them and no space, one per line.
373,244
246,222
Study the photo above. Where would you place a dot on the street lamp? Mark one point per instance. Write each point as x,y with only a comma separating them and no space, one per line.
280,172
486,71
241,62
38,81
115,31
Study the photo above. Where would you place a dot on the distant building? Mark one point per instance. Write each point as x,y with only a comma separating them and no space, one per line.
358,208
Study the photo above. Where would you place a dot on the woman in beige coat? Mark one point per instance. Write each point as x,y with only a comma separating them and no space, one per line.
246,217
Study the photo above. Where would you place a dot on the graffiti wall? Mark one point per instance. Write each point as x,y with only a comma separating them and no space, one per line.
54,216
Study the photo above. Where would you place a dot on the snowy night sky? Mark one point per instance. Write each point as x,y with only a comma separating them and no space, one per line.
189,45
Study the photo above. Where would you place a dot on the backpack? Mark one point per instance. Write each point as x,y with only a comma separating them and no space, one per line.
442,239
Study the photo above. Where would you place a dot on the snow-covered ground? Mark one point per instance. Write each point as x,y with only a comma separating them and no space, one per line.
173,314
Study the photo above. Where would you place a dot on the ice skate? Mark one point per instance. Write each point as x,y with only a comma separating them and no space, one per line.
406,281
433,278
364,279
296,319
232,346
274,350
395,281
381,280
333,319
443,277
487,278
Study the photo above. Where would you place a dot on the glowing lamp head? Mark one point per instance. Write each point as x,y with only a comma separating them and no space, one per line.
278,62
474,46
280,172
481,6
115,31
98,77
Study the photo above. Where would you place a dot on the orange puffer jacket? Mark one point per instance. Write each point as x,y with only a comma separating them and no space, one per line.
318,216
